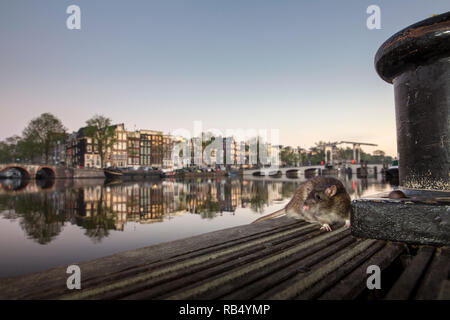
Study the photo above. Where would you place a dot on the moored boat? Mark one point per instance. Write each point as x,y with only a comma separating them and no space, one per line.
392,171
167,173
113,173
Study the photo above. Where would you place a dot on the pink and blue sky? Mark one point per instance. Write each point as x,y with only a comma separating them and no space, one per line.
303,67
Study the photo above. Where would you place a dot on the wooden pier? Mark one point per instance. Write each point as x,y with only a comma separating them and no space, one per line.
275,259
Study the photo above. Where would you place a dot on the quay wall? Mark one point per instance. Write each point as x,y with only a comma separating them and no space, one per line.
79,173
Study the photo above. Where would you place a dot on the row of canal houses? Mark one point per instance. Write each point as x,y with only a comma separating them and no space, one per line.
142,148
149,148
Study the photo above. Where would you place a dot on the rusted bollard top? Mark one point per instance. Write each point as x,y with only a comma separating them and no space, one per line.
417,61
417,44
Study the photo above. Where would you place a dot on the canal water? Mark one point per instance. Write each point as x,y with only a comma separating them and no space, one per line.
43,225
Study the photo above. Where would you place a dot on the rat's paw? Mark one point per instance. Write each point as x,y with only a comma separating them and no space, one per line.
347,224
326,227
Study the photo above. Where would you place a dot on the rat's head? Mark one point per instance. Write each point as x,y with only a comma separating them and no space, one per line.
320,199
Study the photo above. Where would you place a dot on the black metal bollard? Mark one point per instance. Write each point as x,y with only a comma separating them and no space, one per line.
417,61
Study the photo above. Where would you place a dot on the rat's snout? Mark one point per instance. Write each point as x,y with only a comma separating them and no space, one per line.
307,205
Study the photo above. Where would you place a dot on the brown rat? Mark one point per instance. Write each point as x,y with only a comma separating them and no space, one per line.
397,194
321,200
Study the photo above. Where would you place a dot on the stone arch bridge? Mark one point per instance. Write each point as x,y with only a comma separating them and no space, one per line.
305,170
37,171
283,171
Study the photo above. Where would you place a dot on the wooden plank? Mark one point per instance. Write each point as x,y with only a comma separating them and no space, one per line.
257,284
275,236
158,272
299,283
444,291
216,283
436,274
340,273
184,277
409,279
353,284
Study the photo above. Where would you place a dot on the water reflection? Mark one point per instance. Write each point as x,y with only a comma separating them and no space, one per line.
98,208
13,184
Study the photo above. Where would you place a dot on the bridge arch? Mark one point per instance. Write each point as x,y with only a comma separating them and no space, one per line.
45,173
257,174
25,174
310,172
14,185
275,173
292,173
267,173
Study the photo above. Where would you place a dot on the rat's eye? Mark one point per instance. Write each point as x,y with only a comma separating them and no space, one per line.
317,196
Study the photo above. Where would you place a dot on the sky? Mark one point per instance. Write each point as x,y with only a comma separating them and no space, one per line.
302,67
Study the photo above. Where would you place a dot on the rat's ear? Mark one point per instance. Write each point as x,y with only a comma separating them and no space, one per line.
331,191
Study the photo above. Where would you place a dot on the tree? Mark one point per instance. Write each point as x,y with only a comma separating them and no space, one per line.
316,154
5,152
344,154
27,150
9,151
102,133
16,149
289,157
41,136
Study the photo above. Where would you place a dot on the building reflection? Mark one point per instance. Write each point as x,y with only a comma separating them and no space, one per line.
99,209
